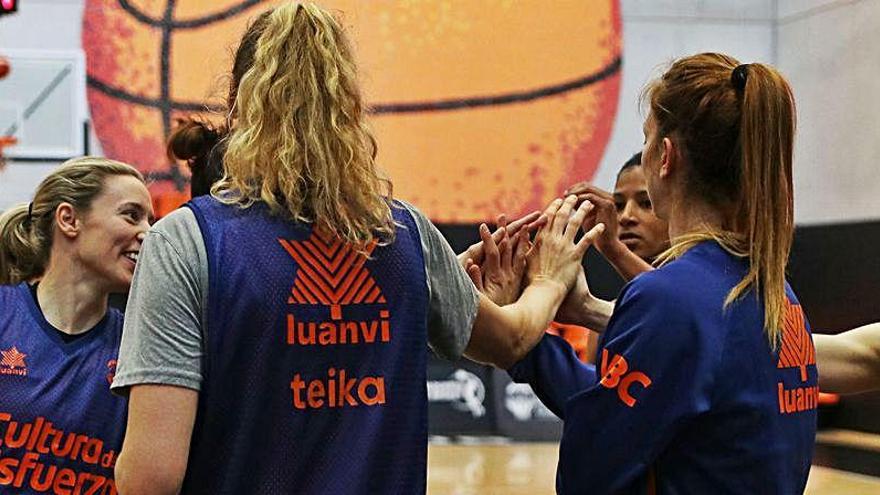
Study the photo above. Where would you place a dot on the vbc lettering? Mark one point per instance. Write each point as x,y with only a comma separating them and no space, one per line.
617,375
332,274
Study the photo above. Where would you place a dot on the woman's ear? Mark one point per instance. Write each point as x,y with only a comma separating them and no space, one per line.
669,158
67,220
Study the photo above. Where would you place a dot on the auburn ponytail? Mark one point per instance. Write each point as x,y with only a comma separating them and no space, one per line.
199,144
767,128
736,126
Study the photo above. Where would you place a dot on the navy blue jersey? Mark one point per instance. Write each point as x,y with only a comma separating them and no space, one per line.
315,367
60,426
689,397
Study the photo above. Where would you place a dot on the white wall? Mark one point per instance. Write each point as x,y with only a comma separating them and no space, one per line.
38,25
830,50
657,31
46,24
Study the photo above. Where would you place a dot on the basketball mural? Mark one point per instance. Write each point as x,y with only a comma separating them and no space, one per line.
478,107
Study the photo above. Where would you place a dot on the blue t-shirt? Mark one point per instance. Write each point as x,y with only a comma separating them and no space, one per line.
315,359
689,396
60,426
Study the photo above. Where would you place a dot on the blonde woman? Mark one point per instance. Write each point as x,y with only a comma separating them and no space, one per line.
276,334
61,256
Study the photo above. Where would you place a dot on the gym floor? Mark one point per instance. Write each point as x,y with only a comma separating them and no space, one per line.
529,469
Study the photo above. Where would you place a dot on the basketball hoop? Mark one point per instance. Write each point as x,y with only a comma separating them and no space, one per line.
4,142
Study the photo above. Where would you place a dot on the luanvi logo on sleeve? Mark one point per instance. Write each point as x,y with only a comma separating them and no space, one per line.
797,351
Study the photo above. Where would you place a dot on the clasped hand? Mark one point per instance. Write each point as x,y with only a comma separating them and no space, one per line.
505,261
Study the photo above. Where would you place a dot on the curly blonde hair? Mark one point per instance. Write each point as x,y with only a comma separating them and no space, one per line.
299,142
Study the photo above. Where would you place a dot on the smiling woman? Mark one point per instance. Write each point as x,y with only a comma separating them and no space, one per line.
67,251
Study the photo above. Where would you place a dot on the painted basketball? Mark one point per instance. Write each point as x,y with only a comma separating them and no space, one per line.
478,107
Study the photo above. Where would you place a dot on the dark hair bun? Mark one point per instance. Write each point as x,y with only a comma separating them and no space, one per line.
192,140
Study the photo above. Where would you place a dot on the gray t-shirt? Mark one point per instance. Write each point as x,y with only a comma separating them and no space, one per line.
162,337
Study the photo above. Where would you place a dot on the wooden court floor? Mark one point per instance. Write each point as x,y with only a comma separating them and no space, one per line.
529,469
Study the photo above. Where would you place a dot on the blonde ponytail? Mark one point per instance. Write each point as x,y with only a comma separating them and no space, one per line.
22,252
300,143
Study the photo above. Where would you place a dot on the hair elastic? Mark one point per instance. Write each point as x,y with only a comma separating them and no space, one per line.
739,76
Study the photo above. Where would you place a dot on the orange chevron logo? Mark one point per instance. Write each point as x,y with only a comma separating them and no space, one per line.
797,347
331,272
12,362
13,358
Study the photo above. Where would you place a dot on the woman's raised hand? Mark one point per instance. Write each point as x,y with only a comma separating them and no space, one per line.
603,211
500,275
477,252
556,258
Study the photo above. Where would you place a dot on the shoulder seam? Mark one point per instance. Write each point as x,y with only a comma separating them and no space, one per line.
167,241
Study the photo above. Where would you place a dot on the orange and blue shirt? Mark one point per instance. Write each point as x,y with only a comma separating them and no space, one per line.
315,361
60,426
688,396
